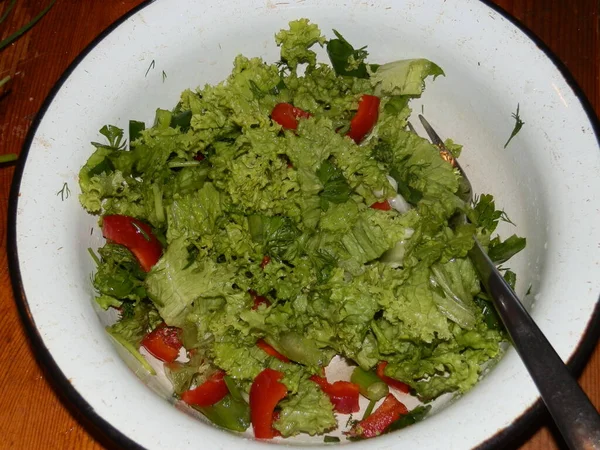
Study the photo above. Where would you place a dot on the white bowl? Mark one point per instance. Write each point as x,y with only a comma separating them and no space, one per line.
546,180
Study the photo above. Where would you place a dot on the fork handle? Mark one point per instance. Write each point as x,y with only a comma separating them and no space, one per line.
575,416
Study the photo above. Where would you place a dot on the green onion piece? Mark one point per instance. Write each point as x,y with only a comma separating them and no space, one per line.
369,409
176,164
9,157
8,9
330,439
370,385
17,34
158,203
134,351
233,388
228,413
94,256
4,80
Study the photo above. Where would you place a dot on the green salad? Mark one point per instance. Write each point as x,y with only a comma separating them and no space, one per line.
285,216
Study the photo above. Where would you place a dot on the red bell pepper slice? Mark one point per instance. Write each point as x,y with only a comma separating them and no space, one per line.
265,261
287,115
258,300
397,384
266,391
270,350
383,206
389,411
135,235
163,343
213,390
342,394
365,118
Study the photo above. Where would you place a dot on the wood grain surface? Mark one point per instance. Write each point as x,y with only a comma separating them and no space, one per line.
32,414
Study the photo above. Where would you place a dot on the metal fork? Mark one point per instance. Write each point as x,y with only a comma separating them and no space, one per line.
575,416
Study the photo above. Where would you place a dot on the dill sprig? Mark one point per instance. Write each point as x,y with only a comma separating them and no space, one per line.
64,192
518,125
141,231
151,66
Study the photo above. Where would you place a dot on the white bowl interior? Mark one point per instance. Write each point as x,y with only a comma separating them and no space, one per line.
546,180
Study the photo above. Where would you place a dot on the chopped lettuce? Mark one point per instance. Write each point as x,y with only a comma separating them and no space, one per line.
308,411
296,42
174,284
404,77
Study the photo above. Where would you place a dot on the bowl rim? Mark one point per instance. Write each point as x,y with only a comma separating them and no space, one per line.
102,429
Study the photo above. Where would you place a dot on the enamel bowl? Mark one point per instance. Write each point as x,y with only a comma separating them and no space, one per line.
546,180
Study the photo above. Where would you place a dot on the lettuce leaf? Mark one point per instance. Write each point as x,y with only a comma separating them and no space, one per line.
296,42
404,77
173,284
307,411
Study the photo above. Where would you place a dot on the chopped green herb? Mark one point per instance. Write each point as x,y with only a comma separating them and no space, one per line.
518,125
9,157
501,251
114,135
335,186
141,231
488,312
164,76
331,439
529,290
4,80
151,66
511,278
8,10
414,416
94,256
64,192
345,59
182,120
350,421
17,34
135,130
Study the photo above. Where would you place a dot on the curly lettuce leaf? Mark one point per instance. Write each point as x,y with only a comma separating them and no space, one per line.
174,284
404,77
308,411
296,42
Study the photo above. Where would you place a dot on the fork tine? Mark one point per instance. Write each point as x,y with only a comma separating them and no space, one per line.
435,139
411,128
465,188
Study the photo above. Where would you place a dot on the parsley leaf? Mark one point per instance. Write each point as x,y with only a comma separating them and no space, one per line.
485,215
335,186
501,251
114,135
345,59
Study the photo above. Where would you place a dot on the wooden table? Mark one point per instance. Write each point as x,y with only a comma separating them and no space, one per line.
32,415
